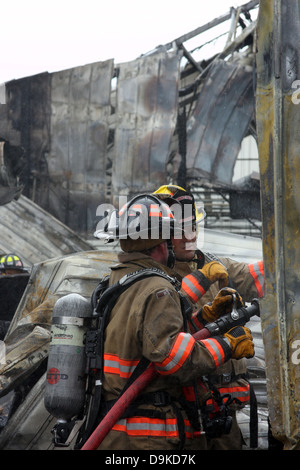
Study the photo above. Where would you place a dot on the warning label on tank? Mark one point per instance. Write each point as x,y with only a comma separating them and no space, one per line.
70,335
53,376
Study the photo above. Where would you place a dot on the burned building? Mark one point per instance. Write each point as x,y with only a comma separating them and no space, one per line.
99,131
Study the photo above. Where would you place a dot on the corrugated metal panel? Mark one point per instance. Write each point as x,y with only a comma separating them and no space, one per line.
147,96
10,162
28,114
7,194
80,108
220,121
278,123
35,235
62,121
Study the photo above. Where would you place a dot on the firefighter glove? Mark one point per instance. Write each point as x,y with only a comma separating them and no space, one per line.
215,271
241,342
198,282
223,303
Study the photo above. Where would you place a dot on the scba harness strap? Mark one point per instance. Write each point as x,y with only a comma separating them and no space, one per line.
105,296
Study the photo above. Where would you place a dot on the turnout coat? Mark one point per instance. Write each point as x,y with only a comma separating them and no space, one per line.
147,321
230,378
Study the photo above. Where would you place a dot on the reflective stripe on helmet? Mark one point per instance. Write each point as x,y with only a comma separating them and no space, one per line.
143,217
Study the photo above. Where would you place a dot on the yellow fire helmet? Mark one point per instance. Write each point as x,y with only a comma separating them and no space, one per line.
11,261
180,195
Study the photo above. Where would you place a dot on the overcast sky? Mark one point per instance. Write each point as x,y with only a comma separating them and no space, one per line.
41,36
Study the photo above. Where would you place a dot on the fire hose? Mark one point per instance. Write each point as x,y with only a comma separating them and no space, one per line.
238,317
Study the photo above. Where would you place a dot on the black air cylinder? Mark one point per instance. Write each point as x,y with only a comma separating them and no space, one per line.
66,379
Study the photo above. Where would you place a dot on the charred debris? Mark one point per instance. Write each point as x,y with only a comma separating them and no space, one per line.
76,138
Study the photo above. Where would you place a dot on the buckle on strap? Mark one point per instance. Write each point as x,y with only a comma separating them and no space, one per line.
220,379
161,398
226,378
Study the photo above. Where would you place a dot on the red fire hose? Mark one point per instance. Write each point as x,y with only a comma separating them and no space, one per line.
220,326
126,399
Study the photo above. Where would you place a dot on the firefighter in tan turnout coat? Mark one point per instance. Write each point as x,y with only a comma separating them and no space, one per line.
199,272
148,321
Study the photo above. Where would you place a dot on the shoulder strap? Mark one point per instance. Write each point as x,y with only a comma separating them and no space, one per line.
104,297
99,291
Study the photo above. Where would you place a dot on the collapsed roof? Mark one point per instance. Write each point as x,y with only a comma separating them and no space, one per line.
33,234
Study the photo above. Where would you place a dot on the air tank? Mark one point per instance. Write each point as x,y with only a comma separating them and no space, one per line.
66,378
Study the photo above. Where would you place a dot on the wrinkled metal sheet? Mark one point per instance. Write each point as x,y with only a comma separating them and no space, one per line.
32,233
278,123
28,113
219,122
62,121
9,187
7,194
147,98
80,108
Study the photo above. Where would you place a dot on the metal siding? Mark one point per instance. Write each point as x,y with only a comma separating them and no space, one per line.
220,121
147,96
80,109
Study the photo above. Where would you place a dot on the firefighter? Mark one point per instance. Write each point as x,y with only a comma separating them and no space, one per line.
200,272
14,278
148,321
11,264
